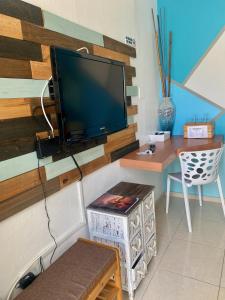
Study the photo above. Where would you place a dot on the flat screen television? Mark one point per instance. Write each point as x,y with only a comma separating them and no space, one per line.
91,94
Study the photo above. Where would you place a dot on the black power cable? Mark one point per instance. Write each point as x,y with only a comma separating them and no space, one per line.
78,167
47,214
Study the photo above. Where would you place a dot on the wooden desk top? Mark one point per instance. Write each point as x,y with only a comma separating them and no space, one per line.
167,152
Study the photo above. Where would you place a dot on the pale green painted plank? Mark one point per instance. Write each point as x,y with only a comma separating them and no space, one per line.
67,164
21,164
132,91
21,88
59,24
130,120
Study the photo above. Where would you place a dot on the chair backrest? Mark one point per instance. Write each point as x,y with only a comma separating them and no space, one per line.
200,167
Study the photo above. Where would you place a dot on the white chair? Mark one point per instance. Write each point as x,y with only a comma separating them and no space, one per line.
197,168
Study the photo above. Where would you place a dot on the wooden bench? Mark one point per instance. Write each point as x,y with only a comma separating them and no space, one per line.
88,270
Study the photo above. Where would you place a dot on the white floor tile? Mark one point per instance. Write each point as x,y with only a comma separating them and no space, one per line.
204,231
193,260
166,224
169,286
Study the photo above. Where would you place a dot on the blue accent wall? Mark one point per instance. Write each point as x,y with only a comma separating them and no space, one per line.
189,105
195,24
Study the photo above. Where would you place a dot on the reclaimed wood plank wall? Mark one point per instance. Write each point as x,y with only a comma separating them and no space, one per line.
26,32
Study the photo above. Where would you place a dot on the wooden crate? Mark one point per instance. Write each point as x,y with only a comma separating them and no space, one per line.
199,130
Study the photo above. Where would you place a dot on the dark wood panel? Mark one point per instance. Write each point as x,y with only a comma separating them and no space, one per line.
130,71
18,49
22,10
17,136
123,151
128,100
118,46
44,36
128,80
12,68
132,110
18,203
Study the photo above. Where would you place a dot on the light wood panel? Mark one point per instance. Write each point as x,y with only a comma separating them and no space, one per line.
132,110
120,139
21,201
20,184
10,27
103,52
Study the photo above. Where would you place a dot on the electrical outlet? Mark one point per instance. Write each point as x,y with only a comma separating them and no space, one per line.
130,41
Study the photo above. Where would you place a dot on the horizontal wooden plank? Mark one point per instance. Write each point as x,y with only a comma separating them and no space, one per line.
67,164
130,71
48,37
22,10
74,175
21,88
128,100
16,204
103,52
10,27
11,112
132,110
132,91
17,49
59,24
128,80
18,135
120,139
118,46
117,154
21,164
12,68
40,70
19,184
33,102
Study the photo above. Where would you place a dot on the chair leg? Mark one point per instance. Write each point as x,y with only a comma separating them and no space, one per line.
168,194
221,193
200,195
187,208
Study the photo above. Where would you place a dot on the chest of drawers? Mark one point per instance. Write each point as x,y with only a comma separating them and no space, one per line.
133,231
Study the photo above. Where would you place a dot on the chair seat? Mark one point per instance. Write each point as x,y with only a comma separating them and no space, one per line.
176,176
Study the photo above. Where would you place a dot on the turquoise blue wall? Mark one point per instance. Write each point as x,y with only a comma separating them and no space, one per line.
195,25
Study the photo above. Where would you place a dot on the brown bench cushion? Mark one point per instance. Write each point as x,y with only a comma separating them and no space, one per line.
73,275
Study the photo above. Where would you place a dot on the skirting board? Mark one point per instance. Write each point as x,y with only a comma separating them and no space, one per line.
194,197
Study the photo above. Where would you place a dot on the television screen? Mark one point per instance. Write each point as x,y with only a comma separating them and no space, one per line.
91,93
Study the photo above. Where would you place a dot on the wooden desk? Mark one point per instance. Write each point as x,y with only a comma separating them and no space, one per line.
167,152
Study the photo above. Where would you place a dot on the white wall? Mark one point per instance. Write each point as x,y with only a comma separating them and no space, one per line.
24,236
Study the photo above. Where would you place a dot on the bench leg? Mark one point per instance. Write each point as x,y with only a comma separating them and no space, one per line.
118,277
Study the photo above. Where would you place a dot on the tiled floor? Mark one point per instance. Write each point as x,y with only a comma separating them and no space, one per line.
188,265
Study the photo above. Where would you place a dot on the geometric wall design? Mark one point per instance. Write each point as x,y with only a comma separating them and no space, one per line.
208,79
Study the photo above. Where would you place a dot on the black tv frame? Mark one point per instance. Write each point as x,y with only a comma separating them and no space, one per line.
55,93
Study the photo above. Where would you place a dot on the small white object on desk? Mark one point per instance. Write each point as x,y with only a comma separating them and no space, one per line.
159,136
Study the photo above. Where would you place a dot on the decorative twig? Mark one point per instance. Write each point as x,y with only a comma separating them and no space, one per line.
161,71
169,63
